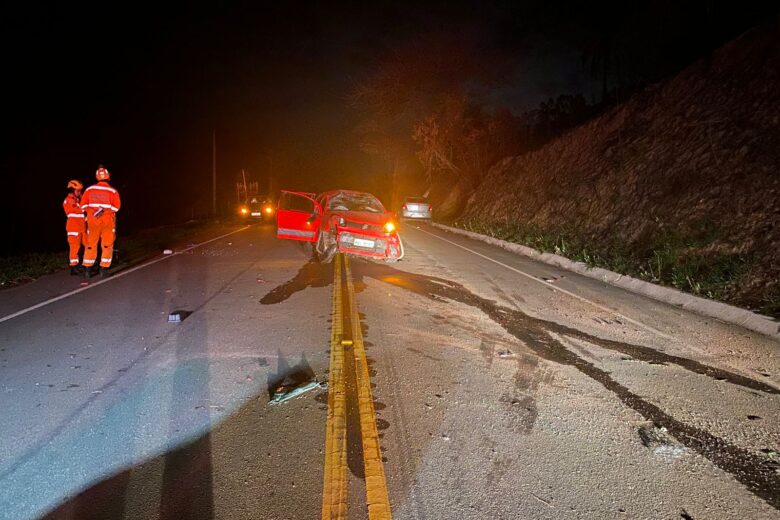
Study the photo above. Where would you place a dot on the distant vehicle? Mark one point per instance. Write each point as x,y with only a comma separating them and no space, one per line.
417,208
258,208
351,222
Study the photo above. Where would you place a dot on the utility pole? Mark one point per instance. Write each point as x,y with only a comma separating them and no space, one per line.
270,170
214,172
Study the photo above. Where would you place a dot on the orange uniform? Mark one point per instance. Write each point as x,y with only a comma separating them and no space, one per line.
101,202
75,226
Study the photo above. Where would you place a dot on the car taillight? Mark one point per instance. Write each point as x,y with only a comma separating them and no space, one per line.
404,207
389,227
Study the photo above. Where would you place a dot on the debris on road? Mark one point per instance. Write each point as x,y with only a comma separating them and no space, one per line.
178,316
285,393
168,251
659,440
505,354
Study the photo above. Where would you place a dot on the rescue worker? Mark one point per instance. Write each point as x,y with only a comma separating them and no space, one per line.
75,225
100,202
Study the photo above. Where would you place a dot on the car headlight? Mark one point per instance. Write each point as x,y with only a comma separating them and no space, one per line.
389,227
244,211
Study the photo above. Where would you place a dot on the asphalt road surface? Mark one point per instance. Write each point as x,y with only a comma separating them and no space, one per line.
463,382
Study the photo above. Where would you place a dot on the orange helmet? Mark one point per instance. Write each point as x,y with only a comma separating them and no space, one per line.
102,173
76,185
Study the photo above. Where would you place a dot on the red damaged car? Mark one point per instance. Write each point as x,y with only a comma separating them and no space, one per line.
348,221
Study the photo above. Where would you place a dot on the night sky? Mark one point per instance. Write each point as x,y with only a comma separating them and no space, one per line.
140,88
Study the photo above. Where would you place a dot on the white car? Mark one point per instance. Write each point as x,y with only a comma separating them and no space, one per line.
417,208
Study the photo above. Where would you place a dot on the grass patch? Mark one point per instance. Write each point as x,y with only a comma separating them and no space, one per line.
26,267
675,260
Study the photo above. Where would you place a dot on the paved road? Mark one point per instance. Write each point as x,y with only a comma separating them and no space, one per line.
499,388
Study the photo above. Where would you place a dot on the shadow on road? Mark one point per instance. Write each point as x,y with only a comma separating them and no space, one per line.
186,490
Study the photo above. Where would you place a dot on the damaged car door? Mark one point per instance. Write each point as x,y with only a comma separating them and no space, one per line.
298,216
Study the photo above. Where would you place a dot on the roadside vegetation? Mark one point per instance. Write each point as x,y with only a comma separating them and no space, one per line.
685,262
26,267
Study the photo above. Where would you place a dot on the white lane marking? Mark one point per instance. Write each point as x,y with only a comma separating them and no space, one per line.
555,287
114,277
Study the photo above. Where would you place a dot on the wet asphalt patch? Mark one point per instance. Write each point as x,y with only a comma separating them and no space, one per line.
311,274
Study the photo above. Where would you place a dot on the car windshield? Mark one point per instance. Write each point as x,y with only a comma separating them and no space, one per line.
355,202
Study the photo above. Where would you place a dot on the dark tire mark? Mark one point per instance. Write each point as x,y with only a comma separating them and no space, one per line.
537,334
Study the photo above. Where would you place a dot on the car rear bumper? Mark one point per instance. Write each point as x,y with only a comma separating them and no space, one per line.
416,214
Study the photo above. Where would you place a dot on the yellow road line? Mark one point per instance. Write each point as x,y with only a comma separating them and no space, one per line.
334,493
376,484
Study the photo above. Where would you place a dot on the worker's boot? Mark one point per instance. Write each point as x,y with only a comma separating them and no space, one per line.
103,272
76,270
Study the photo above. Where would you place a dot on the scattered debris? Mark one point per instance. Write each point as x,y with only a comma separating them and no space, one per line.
540,499
168,252
659,440
84,284
505,354
604,321
285,393
772,459
178,316
445,436
261,280
548,280
754,417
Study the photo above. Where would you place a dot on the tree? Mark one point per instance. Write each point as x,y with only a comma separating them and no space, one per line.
412,82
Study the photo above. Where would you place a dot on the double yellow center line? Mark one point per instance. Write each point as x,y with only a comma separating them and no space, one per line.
343,343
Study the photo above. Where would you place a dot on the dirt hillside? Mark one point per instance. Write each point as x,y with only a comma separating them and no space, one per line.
679,185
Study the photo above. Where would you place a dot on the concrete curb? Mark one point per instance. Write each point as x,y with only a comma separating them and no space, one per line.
703,306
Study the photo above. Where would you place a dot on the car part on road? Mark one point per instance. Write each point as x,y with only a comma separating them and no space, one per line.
178,316
285,393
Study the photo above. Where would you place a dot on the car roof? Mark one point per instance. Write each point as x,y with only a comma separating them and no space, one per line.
346,192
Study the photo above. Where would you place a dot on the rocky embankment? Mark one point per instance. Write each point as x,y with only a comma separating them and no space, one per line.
679,185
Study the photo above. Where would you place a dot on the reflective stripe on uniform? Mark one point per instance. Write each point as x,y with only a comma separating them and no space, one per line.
103,206
75,215
88,262
74,233
105,259
295,232
103,188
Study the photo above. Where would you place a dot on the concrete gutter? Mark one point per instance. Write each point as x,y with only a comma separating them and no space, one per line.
721,311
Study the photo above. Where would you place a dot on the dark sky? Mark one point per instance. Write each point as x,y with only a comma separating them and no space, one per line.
141,87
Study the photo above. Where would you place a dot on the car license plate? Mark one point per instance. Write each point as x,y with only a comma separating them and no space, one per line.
257,214
364,243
